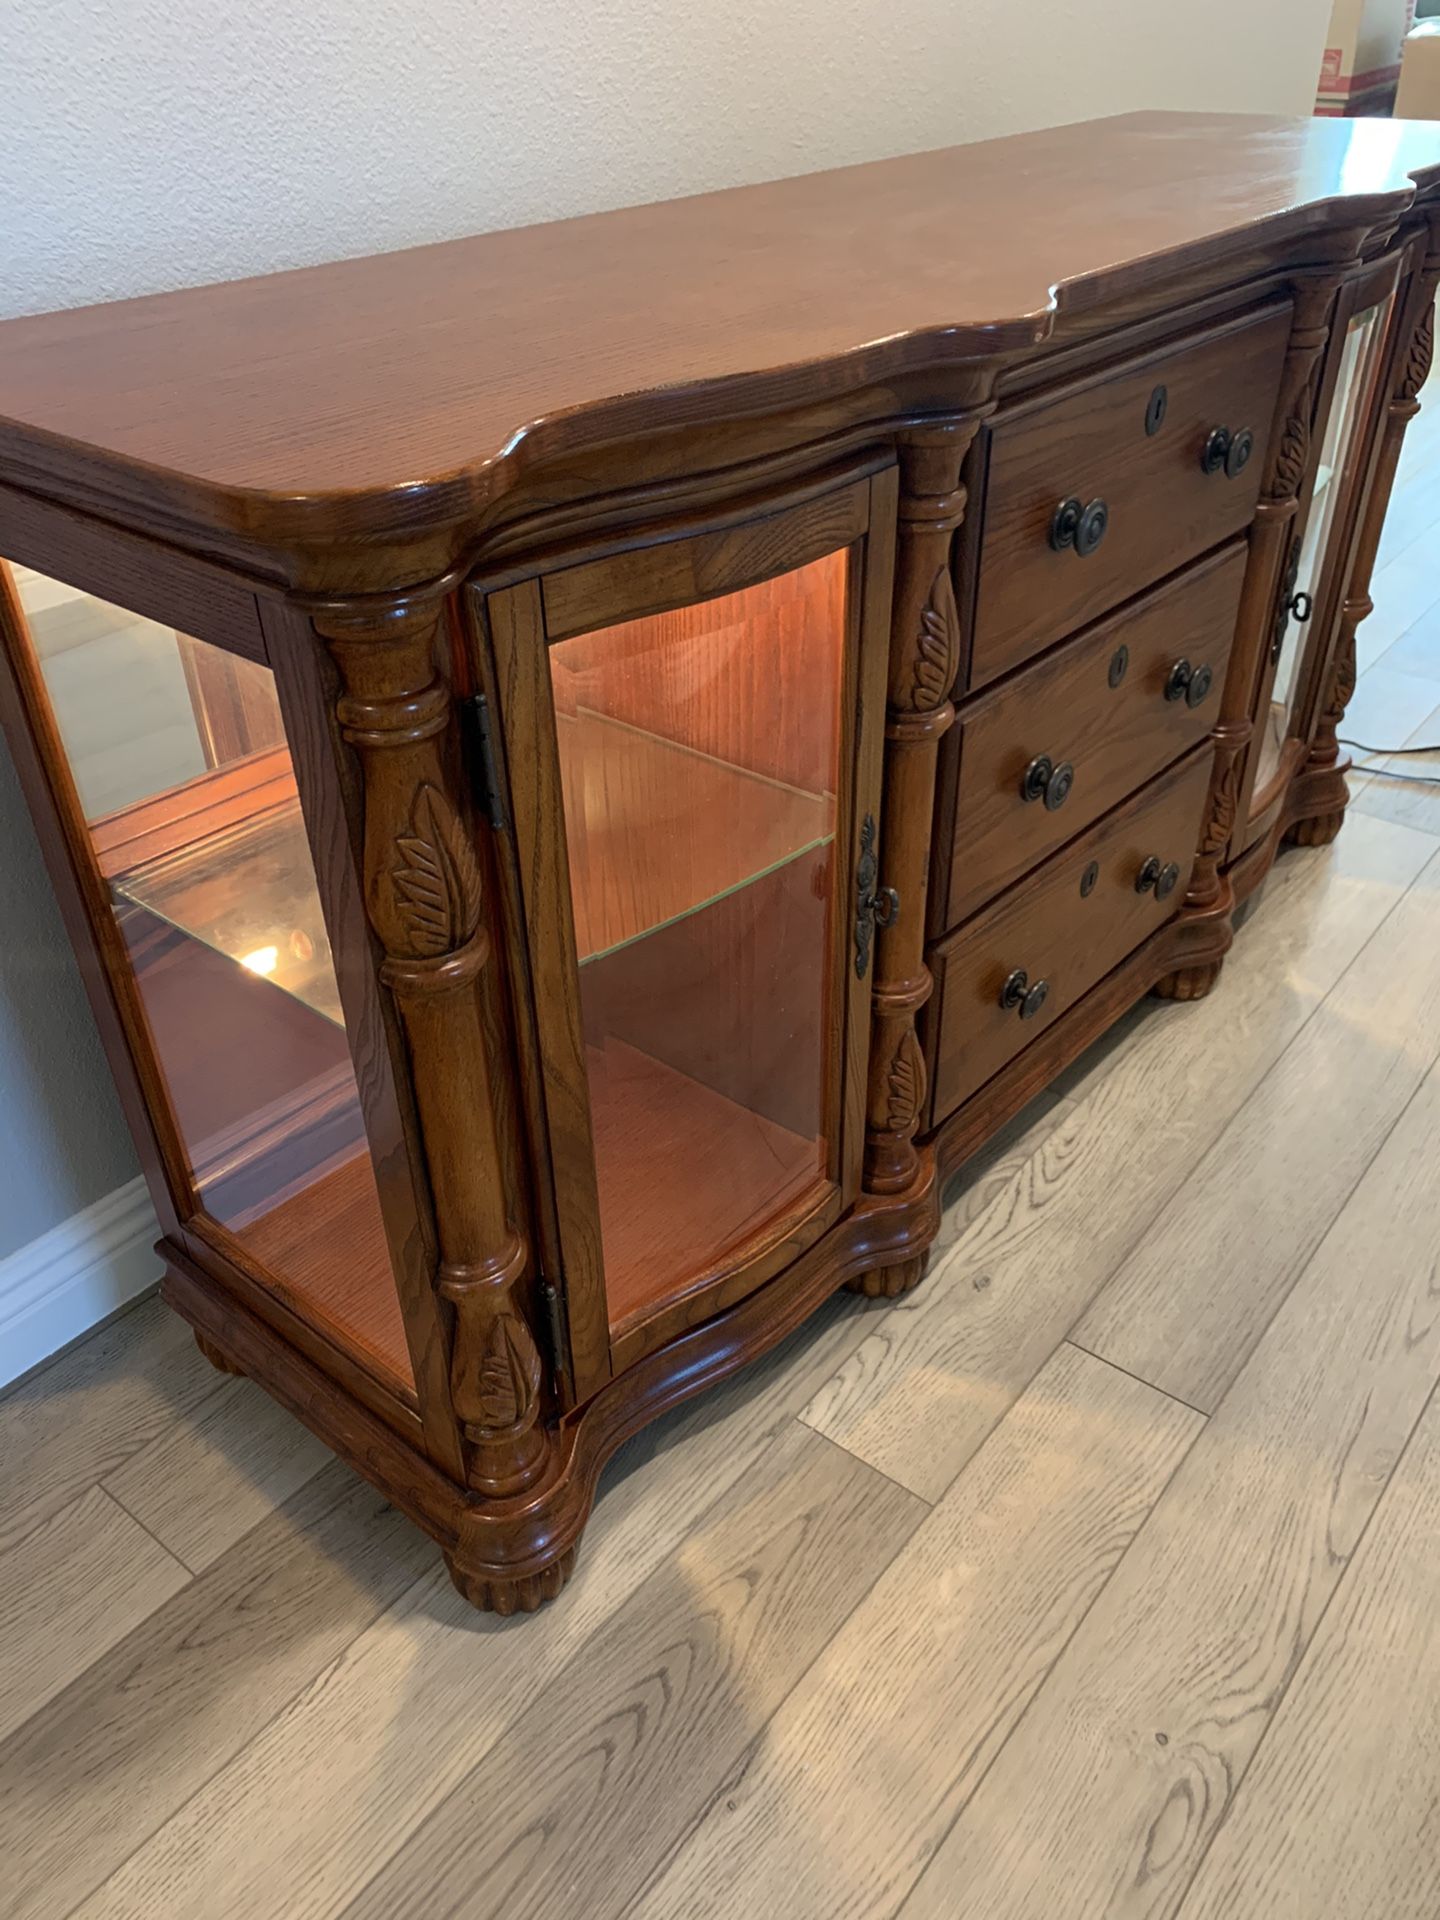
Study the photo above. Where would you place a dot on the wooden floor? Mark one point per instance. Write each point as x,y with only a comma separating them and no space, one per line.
1081,1583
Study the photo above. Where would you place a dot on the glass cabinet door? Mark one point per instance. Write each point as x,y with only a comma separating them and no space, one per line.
704,772
176,770
1343,449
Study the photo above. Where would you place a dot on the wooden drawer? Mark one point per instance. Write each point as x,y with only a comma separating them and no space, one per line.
1065,926
1094,442
1098,707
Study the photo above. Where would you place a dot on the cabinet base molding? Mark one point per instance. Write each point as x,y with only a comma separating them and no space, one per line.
510,1555
216,1355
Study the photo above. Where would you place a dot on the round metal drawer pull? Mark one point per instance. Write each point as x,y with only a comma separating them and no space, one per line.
1226,452
1018,995
1079,527
1043,780
1190,684
1167,880
1119,665
1148,875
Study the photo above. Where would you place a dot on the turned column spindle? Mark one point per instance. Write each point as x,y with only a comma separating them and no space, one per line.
1209,900
423,895
924,660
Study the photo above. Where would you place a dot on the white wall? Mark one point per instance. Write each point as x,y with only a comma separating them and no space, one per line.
147,144
151,143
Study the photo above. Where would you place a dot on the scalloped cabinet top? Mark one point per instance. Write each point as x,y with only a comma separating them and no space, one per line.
406,373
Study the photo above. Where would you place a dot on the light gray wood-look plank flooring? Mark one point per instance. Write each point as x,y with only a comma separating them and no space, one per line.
1099,1577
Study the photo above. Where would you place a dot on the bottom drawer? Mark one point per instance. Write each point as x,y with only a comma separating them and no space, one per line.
1063,929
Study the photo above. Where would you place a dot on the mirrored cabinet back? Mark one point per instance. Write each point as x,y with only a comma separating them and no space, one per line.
588,769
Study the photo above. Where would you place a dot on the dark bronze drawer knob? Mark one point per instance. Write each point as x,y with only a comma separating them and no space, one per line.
1226,452
1164,879
1077,526
1043,780
1018,994
1190,684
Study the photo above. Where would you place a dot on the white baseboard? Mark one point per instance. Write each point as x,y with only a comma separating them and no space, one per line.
75,1276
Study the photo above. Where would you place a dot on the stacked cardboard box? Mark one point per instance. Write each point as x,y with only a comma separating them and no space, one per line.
1361,62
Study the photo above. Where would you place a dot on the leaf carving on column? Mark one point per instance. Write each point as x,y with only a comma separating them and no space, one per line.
1420,356
1223,807
509,1381
937,652
437,883
905,1086
1342,682
1293,458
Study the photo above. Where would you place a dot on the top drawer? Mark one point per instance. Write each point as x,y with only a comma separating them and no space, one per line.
1133,440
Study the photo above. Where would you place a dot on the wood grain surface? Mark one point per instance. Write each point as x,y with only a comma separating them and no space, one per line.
893,1727
403,371
1338,1813
1254,1209
620,1753
1109,1793
919,1395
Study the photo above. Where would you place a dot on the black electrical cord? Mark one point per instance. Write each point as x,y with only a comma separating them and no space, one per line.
1389,773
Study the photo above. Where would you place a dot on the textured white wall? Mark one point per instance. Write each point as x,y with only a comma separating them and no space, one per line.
147,144
151,143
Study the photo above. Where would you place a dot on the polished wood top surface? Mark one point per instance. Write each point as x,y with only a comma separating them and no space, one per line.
423,372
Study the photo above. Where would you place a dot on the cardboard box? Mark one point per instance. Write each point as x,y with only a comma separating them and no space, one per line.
1361,63
1419,94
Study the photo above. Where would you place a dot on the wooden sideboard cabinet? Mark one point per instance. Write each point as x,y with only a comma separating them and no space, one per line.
589,768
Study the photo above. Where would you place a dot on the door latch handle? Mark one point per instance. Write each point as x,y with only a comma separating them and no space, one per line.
875,906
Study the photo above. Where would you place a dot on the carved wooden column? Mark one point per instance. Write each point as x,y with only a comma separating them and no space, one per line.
1321,795
423,896
924,659
1204,923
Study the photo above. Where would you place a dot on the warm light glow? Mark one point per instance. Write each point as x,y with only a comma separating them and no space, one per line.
262,960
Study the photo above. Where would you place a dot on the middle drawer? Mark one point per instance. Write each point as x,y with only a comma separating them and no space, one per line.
1034,761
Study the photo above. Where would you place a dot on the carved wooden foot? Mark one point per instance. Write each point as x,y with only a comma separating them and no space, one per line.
1318,831
1188,983
221,1362
498,1595
888,1283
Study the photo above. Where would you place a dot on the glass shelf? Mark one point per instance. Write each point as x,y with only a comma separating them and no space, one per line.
635,800
249,894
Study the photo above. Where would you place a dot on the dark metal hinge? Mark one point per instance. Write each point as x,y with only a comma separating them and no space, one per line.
484,770
556,1331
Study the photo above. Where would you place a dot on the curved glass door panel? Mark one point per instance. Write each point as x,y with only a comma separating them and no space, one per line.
177,755
1335,477
699,759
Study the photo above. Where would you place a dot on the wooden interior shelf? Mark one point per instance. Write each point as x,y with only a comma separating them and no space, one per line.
672,1155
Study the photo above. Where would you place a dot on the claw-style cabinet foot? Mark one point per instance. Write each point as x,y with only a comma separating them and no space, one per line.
493,1594
1189,983
1318,831
889,1283
221,1362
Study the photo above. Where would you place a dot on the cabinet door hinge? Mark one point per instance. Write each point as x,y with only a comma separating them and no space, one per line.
480,751
557,1334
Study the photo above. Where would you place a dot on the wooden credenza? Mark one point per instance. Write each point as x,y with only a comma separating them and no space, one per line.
589,769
